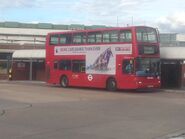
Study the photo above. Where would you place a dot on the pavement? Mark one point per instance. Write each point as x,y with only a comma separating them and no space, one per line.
35,110
41,83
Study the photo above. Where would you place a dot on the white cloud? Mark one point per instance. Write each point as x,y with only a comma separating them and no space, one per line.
106,12
110,7
51,4
140,12
172,23
5,4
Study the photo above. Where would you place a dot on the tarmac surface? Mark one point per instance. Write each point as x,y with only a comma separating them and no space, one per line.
35,110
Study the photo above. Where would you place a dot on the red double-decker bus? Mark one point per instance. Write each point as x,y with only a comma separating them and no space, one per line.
112,58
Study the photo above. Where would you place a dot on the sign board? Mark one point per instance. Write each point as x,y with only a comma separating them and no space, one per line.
100,59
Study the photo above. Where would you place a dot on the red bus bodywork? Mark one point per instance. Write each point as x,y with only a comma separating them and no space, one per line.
141,52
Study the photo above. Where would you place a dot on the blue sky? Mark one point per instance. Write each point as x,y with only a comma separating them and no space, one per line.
167,15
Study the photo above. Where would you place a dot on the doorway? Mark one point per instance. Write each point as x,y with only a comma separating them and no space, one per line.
171,74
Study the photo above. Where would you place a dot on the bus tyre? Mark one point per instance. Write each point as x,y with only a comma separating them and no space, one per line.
111,84
64,82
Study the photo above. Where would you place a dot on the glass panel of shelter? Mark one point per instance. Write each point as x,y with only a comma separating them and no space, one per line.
3,67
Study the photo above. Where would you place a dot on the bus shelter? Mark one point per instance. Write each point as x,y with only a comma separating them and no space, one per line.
172,67
28,65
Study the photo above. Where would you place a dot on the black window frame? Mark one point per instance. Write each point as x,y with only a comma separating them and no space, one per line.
125,33
68,38
50,40
65,64
82,36
110,38
144,35
55,64
128,63
94,36
78,66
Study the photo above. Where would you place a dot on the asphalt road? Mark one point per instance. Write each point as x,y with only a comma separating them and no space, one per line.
39,111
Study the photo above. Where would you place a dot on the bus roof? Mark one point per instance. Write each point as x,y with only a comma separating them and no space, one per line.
99,29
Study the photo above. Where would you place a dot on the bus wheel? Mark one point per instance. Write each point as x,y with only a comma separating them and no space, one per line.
111,84
64,82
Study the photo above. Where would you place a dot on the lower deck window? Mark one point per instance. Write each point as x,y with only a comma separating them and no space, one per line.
78,66
65,65
128,66
3,67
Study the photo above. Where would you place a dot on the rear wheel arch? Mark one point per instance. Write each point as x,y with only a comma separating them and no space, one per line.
111,84
64,81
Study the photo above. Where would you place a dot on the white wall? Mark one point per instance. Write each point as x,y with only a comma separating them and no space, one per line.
27,31
24,36
22,39
180,37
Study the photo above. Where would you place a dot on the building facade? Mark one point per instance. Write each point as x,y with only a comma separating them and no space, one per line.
172,48
16,36
23,36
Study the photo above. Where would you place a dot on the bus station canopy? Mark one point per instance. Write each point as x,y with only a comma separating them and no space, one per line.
166,53
29,54
172,53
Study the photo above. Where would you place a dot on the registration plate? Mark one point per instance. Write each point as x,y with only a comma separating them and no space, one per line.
150,86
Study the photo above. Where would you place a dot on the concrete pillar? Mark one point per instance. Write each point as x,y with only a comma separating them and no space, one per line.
183,76
31,69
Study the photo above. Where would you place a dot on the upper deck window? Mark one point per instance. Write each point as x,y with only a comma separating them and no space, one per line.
114,36
125,36
146,35
91,38
106,37
65,39
54,39
111,36
79,38
94,37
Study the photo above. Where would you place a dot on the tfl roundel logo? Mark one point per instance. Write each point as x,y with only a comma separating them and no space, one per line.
90,77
